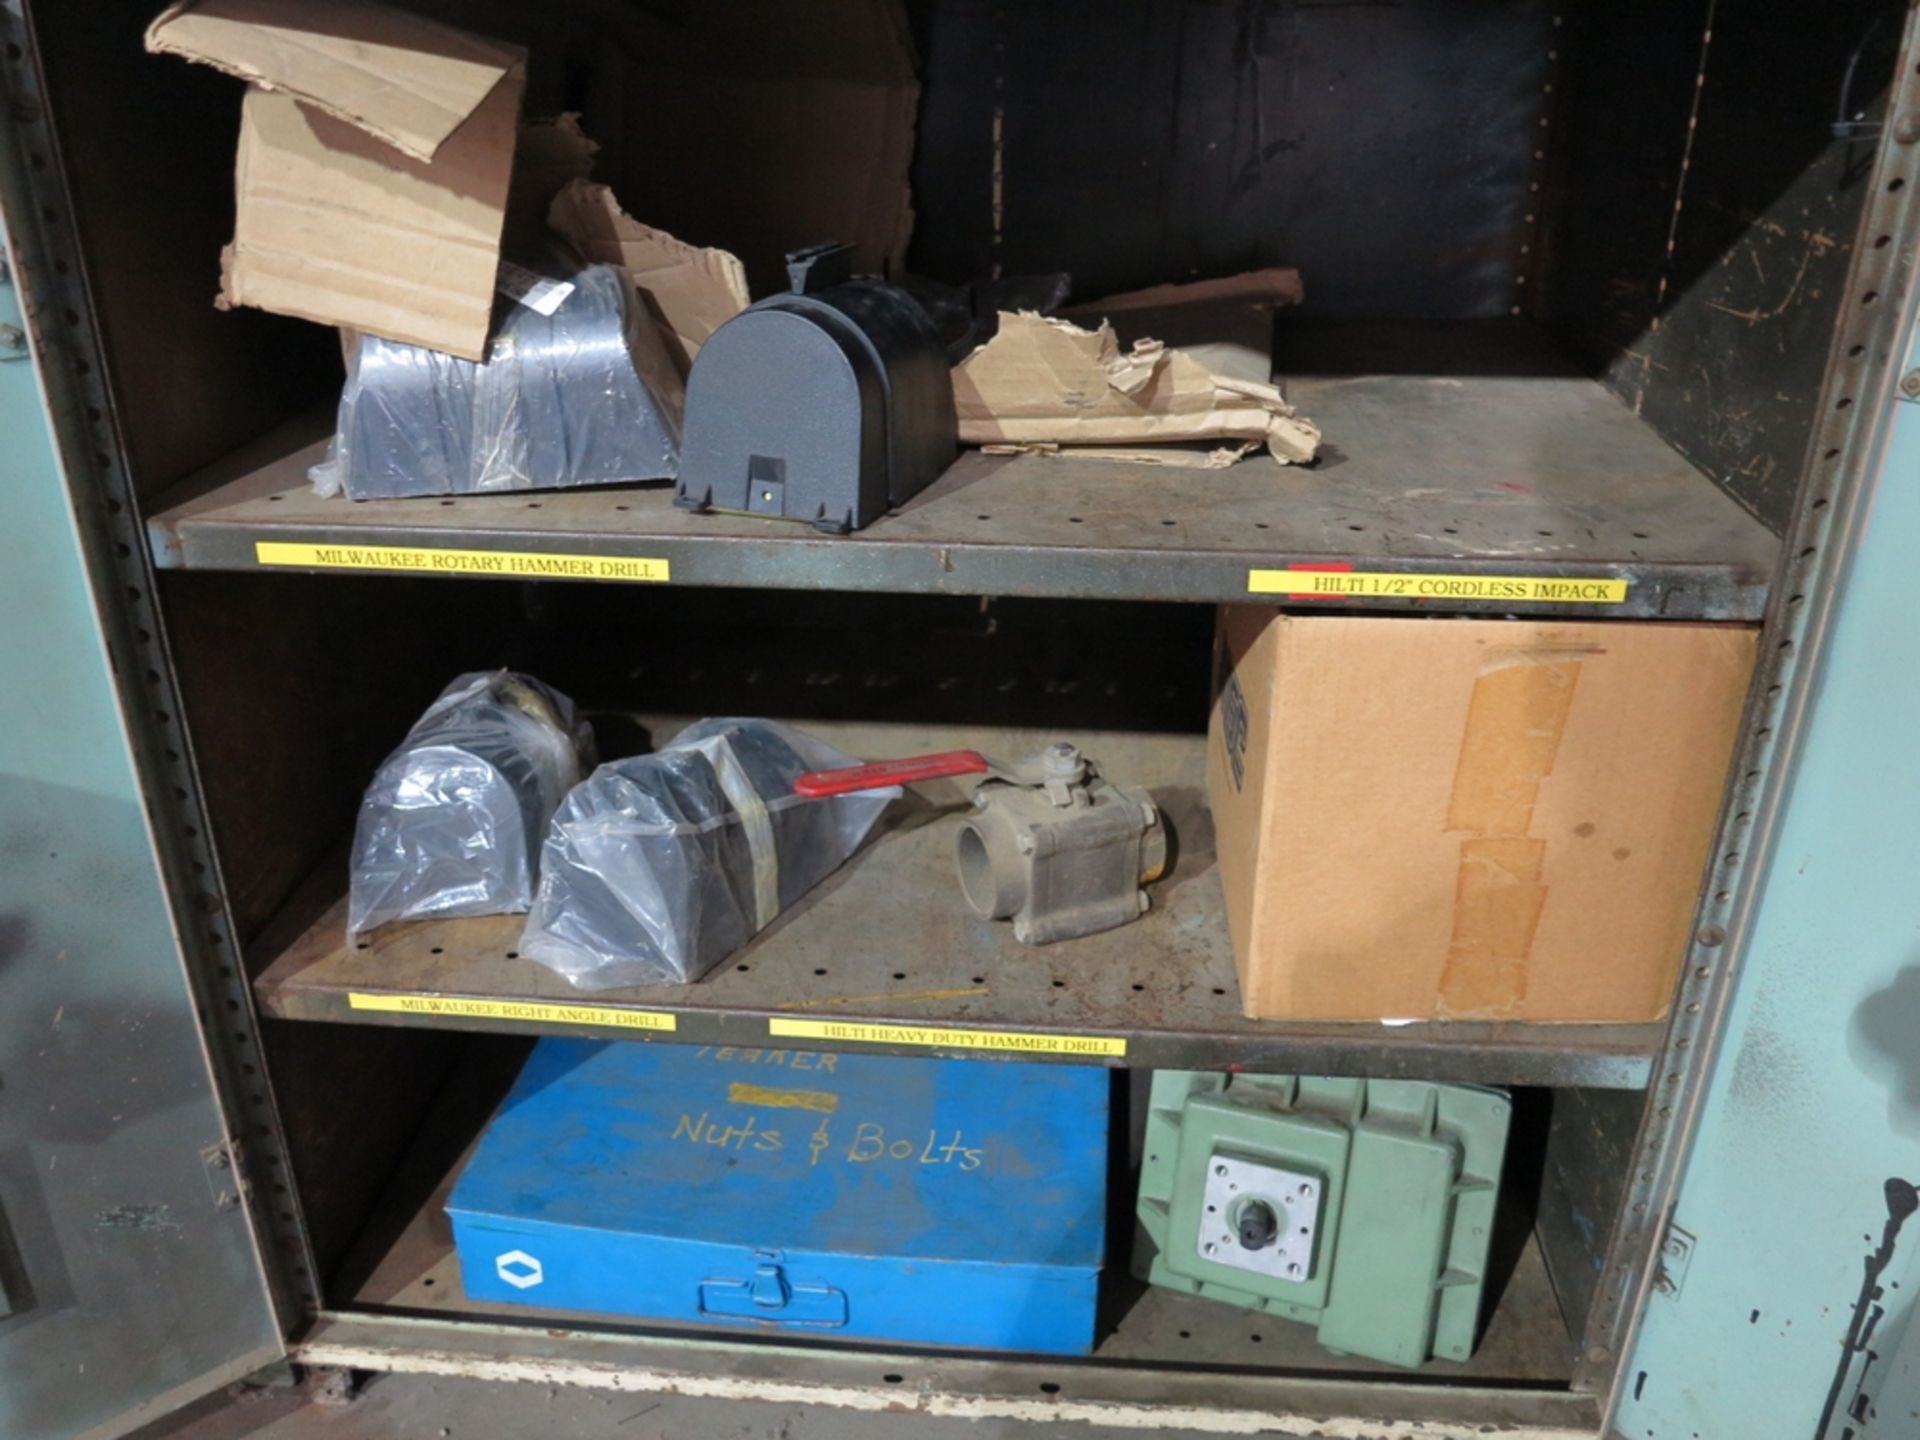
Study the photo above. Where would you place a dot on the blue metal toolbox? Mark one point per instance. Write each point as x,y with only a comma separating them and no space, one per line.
939,1202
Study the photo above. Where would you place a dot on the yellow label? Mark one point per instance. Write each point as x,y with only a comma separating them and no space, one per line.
531,1010
525,563
741,1093
940,1037
1532,589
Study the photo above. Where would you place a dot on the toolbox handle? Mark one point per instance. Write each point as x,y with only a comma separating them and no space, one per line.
819,784
771,1299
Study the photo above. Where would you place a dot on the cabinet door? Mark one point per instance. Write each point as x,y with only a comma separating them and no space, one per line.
129,1278
1785,1299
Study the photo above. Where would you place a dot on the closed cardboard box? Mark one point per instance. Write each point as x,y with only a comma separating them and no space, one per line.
1442,818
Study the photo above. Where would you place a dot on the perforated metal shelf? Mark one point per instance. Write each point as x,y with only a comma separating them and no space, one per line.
1451,451
1525,1341
888,941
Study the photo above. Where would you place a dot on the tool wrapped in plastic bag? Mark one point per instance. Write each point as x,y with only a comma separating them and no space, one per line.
659,867
584,395
453,821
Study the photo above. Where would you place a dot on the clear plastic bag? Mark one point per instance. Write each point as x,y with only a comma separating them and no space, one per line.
659,867
585,396
453,820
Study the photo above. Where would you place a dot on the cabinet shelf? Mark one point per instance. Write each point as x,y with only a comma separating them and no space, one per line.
888,942
1471,452
1155,1347
1524,1341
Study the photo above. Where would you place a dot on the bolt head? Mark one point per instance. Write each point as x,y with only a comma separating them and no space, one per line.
1061,760
1906,130
12,337
1910,383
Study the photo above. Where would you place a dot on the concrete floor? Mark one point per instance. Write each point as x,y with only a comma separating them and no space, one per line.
406,1407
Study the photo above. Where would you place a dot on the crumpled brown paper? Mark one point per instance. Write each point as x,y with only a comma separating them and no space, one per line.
1043,381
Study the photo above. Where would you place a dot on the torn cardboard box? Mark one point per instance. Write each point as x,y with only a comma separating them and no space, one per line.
1043,381
376,150
692,291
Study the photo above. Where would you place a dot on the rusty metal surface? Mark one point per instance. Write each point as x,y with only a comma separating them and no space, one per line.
1450,449
889,938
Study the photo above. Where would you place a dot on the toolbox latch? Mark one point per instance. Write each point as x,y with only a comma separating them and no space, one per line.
770,1297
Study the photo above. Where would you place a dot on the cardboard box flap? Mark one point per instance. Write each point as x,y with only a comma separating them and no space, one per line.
335,226
691,289
409,81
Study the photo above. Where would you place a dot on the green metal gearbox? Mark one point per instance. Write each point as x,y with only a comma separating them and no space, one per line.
1364,1207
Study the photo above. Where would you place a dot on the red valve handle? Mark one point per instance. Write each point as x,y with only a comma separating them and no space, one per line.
819,784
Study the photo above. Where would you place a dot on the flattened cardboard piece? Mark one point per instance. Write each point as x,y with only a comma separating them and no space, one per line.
410,81
1466,818
1225,324
376,150
335,226
1050,381
691,290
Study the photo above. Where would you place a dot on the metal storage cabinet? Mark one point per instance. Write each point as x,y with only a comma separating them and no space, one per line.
1652,275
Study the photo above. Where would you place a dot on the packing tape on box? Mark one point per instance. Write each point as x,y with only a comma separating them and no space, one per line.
1522,697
